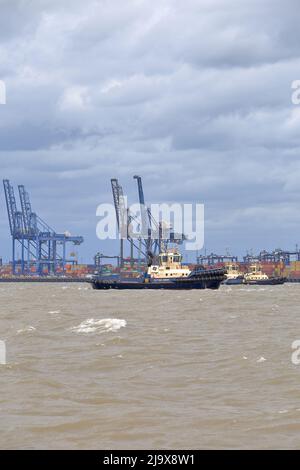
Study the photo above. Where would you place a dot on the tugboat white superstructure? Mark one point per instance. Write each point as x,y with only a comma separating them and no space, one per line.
170,266
234,275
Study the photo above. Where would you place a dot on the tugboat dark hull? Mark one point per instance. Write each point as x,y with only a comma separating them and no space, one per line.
234,282
155,285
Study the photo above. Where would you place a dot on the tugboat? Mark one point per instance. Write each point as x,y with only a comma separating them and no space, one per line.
234,275
255,276
169,273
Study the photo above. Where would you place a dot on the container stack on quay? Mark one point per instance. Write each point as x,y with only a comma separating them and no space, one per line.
269,268
79,270
6,270
292,271
72,270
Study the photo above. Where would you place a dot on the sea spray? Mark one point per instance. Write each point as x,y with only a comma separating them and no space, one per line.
99,326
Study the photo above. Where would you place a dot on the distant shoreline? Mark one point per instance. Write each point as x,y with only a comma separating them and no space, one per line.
43,279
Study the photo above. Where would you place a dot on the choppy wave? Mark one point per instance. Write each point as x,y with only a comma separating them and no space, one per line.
99,326
27,329
261,359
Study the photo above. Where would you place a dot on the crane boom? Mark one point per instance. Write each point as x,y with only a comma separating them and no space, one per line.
13,214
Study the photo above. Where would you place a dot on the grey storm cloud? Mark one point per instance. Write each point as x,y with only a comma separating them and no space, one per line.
195,96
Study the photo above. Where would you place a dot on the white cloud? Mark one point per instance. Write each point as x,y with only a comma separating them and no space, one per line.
75,98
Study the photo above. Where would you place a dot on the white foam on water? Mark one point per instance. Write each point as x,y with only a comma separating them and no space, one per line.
261,359
253,289
2,353
99,326
27,329
54,311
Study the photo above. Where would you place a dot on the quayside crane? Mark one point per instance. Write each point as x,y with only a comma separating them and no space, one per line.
152,238
43,250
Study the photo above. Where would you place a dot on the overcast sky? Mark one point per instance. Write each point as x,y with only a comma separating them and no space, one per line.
193,95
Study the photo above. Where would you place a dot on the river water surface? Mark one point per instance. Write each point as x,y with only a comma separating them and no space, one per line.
149,369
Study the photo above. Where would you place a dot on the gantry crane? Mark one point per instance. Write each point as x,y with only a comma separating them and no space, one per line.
40,244
152,238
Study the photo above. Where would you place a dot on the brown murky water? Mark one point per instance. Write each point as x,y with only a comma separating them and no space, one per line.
135,370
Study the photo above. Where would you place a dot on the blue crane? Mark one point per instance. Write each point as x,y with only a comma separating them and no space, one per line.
29,217
14,218
147,222
38,241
